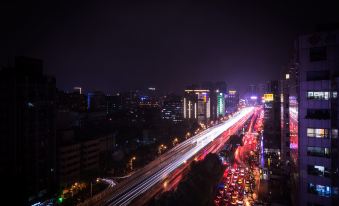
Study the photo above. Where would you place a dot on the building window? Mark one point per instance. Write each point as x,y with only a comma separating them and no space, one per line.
318,114
317,133
318,75
317,170
318,95
318,54
320,190
334,133
334,95
318,152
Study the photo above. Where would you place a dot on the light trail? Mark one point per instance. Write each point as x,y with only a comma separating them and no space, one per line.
158,170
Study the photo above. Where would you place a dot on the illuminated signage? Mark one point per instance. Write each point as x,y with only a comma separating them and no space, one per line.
232,92
254,97
78,88
197,90
268,97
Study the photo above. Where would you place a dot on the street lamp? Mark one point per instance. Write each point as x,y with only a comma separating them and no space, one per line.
187,135
131,162
175,141
161,148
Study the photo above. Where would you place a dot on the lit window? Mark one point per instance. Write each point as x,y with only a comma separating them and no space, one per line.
317,170
287,76
320,190
317,133
334,95
318,95
310,132
318,151
334,133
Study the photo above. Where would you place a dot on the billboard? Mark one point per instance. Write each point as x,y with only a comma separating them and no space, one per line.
268,97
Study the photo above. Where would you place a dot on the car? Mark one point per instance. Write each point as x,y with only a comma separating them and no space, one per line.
240,203
226,200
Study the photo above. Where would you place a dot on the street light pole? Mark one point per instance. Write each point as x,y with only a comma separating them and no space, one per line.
131,162
91,189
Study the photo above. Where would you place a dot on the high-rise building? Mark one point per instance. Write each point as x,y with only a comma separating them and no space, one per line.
197,105
220,104
272,127
289,111
96,101
205,102
27,131
172,108
318,118
289,124
231,101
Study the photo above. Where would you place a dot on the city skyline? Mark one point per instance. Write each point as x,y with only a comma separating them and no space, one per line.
181,103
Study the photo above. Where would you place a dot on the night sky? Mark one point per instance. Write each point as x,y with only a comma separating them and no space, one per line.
112,45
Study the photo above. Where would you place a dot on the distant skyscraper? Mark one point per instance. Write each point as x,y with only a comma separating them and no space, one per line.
318,118
27,130
231,101
197,105
96,101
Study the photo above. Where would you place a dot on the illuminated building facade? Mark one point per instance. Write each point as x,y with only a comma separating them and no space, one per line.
220,104
318,118
197,105
231,101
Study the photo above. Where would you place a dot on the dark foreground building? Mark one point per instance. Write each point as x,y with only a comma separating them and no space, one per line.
27,131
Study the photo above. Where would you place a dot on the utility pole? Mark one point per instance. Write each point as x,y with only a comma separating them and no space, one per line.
91,189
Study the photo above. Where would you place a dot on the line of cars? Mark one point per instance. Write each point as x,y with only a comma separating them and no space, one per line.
237,184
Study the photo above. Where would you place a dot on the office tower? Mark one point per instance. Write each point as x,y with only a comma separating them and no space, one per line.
197,105
272,126
231,101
